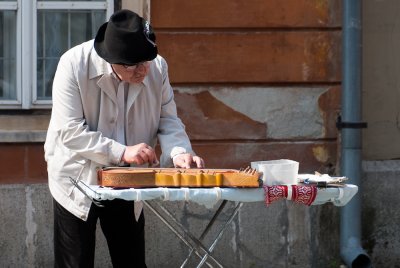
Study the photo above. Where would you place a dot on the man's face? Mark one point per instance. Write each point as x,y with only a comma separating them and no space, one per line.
132,74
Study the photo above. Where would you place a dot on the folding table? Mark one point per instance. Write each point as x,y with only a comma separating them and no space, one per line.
209,197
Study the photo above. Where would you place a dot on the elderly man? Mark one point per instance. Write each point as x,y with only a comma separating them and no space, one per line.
112,102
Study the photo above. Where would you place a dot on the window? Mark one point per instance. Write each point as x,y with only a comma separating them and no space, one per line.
33,36
8,52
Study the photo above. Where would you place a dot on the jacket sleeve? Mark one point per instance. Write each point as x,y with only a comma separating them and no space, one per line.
68,121
171,135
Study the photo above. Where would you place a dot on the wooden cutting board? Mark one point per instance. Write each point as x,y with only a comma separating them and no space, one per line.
129,177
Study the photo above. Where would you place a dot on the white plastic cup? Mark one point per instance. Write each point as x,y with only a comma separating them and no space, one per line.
277,172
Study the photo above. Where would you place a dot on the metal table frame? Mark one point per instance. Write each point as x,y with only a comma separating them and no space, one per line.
195,245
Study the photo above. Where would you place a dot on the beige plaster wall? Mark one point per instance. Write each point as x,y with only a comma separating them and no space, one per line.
381,79
142,7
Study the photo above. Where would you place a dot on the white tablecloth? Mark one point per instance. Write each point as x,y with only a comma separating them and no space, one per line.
208,197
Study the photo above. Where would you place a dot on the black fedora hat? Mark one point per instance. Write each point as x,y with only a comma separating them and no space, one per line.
126,39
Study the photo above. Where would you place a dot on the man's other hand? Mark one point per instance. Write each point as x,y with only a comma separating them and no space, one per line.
188,161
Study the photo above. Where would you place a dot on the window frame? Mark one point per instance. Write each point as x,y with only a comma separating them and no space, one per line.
26,43
13,6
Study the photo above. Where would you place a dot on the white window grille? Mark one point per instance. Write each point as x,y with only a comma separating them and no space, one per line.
33,36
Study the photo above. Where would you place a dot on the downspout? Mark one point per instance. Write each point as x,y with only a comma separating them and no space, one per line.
350,124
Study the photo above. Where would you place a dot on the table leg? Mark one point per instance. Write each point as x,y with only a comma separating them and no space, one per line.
208,227
194,240
237,208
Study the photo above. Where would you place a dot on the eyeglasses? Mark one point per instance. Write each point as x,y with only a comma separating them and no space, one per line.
134,66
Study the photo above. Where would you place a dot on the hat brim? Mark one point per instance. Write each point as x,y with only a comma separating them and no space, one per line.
99,44
119,57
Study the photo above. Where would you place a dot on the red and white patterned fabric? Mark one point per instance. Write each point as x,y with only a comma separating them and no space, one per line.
274,193
301,194
304,194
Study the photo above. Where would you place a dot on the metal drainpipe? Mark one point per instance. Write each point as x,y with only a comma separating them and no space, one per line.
350,223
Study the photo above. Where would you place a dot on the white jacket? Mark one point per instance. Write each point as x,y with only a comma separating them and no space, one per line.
84,116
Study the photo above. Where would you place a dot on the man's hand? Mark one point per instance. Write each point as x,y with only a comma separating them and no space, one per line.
188,161
139,154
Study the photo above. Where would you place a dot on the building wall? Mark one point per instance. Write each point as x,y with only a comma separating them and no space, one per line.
381,140
251,77
248,86
254,80
380,78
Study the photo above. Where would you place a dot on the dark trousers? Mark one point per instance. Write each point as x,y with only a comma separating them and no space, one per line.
74,239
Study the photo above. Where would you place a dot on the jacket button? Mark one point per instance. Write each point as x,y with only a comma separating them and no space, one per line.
112,121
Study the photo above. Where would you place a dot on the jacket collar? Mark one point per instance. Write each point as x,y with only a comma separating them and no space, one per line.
100,67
